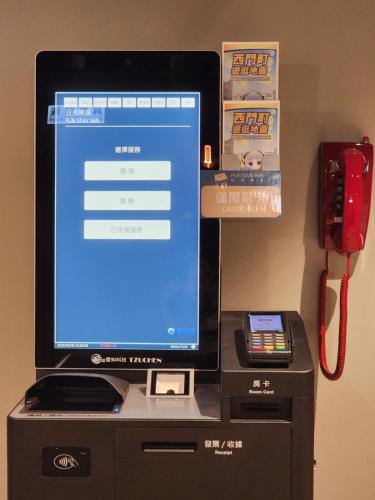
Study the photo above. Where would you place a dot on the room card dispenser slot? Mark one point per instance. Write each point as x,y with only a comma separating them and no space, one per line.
268,338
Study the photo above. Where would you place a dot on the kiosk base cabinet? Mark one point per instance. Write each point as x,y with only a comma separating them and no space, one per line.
249,437
149,463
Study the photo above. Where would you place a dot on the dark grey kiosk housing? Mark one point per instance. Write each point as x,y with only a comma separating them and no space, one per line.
225,413
248,436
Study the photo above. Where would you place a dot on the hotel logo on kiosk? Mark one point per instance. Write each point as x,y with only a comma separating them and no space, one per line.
97,359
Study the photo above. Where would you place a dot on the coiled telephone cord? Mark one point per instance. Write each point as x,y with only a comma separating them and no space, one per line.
343,322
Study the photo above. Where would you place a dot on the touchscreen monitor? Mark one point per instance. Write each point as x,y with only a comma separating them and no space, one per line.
127,272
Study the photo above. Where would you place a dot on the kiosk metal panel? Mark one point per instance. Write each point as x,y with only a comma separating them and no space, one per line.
168,463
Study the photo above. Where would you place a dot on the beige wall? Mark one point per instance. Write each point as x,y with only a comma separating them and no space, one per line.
327,89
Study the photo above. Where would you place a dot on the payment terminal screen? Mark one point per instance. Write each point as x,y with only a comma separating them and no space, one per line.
127,211
266,323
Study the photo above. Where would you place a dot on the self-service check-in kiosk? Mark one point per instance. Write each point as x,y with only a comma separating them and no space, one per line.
137,395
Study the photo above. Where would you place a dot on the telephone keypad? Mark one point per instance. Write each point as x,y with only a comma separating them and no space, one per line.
339,196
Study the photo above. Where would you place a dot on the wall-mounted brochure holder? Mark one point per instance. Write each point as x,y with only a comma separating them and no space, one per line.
249,184
240,192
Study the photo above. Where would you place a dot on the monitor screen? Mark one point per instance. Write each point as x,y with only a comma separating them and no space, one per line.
127,271
127,214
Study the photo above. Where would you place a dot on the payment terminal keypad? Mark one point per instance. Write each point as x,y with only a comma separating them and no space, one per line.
267,341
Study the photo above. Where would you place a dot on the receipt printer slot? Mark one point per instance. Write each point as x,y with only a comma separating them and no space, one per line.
169,447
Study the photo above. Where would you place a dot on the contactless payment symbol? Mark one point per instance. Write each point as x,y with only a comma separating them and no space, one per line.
65,462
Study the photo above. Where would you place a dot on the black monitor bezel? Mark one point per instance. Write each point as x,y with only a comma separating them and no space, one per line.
122,71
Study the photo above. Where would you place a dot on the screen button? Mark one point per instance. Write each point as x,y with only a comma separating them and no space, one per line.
158,102
85,102
114,102
127,230
173,102
129,102
188,102
127,200
70,102
127,170
144,102
100,102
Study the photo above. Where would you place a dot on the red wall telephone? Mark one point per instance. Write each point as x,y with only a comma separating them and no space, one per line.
345,197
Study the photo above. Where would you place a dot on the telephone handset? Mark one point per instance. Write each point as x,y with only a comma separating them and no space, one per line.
345,189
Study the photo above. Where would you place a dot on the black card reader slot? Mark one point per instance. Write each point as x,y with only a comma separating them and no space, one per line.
76,392
169,447
261,409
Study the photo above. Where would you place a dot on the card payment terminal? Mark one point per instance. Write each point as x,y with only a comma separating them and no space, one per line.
268,338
